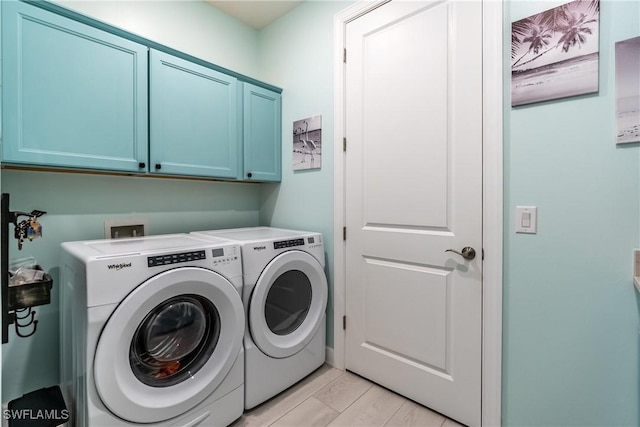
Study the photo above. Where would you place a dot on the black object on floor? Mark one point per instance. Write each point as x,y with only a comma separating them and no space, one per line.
40,408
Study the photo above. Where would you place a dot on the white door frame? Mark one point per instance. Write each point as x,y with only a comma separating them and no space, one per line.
491,200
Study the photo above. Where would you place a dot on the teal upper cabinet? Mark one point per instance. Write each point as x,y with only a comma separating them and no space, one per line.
74,95
78,93
262,134
193,119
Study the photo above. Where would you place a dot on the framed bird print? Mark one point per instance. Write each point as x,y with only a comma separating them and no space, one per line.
307,143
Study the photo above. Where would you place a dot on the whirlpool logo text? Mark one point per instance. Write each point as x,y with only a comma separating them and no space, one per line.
259,248
119,266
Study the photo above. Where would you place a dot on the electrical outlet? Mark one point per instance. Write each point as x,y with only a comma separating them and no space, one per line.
133,227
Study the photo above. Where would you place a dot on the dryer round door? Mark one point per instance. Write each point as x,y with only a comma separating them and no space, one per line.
169,344
287,304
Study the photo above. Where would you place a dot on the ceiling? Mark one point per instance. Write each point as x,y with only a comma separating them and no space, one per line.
255,13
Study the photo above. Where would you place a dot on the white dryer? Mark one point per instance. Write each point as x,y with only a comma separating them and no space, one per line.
151,332
285,297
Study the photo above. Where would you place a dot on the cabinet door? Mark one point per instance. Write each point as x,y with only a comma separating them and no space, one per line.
74,96
262,130
193,119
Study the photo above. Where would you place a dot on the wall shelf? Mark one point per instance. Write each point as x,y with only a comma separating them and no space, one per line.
17,301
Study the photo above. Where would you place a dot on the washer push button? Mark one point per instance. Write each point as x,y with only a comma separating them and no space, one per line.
288,243
224,261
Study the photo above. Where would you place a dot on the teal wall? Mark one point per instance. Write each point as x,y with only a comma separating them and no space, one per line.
297,53
570,339
571,319
78,204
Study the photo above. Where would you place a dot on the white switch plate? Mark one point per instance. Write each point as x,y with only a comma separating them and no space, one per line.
526,219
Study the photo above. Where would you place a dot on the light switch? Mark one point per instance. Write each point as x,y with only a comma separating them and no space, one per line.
526,219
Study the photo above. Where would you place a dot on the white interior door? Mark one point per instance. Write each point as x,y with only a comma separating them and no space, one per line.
413,190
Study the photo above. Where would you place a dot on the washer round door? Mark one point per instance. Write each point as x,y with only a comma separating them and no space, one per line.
287,304
169,344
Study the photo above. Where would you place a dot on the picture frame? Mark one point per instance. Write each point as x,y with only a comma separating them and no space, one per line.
555,53
628,91
307,143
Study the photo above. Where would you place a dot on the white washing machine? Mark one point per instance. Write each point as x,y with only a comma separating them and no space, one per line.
151,332
285,297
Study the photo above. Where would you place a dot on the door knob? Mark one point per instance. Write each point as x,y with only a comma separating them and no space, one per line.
467,253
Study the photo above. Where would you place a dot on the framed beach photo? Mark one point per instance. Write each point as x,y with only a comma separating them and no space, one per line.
555,53
628,91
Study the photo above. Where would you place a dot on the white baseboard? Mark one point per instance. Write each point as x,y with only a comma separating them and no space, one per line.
330,360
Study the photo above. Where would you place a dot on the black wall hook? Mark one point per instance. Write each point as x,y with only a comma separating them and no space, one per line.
30,321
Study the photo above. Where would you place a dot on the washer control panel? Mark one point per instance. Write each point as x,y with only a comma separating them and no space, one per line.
288,243
154,261
223,256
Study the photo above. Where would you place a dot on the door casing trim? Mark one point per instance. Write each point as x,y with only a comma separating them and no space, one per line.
492,199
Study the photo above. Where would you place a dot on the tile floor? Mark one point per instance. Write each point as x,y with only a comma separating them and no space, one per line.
330,397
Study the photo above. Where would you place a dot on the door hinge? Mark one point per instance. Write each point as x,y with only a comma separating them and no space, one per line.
344,55
344,323
482,254
344,144
344,233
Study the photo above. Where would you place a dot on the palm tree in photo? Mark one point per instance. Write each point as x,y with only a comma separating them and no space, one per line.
574,31
595,6
538,38
572,24
519,31
554,18
550,20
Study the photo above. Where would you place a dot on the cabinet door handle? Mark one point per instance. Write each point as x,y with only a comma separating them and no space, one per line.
158,166
249,175
142,165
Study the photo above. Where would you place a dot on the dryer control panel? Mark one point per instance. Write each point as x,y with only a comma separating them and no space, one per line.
222,258
166,259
